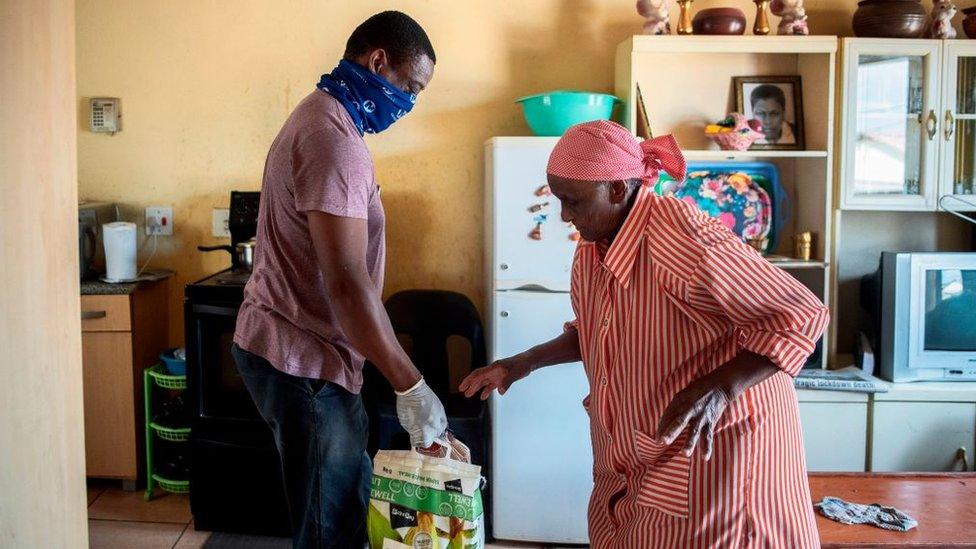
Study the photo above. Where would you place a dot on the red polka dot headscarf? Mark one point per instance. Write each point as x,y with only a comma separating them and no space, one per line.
605,151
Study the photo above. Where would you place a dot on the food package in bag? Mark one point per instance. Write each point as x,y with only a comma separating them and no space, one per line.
421,501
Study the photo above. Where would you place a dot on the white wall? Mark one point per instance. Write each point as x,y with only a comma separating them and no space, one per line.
42,461
864,235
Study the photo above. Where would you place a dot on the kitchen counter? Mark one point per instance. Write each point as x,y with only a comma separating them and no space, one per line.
97,287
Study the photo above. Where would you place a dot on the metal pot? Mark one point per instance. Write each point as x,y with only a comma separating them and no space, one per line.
241,254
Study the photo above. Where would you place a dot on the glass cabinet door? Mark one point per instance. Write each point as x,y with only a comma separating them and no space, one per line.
890,127
958,176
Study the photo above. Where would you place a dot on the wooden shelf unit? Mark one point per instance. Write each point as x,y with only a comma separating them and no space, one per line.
718,154
681,102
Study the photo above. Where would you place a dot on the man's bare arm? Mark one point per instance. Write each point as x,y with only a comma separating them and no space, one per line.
340,247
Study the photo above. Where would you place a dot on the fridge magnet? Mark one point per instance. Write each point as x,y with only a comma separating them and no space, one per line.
536,233
543,191
574,236
777,102
535,208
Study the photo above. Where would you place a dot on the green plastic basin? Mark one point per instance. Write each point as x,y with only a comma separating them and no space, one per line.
552,113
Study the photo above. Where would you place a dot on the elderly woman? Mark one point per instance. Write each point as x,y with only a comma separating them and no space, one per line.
689,339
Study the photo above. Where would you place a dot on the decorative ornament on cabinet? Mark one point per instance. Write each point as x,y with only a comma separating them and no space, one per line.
802,245
684,19
942,13
793,17
719,21
969,22
761,26
889,19
735,132
655,13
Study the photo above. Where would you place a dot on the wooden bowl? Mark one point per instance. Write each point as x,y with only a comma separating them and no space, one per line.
719,21
890,19
969,23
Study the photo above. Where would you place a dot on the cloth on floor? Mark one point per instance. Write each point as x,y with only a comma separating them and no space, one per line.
879,515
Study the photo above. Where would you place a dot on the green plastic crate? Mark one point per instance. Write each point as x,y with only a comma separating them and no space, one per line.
171,434
174,486
164,379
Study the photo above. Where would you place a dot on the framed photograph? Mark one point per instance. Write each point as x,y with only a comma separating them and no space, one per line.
643,122
777,102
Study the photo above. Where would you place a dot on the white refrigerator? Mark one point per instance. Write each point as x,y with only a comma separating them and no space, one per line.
542,461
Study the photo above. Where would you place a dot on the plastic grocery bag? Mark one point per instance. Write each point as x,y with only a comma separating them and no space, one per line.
419,501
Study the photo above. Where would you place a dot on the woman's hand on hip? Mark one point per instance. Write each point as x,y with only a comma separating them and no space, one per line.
699,407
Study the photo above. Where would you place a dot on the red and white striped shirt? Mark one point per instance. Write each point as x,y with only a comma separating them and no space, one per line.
675,296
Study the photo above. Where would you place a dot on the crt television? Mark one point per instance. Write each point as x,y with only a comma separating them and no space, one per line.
927,323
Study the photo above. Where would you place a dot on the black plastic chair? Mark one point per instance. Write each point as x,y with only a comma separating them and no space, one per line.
427,319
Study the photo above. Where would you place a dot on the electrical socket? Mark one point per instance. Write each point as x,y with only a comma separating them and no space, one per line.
221,222
159,220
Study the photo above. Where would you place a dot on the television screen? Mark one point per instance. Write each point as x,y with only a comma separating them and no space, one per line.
950,310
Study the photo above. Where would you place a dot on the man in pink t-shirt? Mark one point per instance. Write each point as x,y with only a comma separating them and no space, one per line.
312,310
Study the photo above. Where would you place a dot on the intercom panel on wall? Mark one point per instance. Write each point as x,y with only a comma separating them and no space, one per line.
106,115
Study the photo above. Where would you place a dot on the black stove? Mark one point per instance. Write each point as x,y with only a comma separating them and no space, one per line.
235,482
226,285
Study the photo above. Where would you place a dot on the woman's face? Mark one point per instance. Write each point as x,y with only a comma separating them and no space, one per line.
597,209
770,113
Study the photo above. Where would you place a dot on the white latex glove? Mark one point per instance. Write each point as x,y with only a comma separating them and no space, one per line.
421,414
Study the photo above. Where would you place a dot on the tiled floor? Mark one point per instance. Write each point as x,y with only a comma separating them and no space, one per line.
124,520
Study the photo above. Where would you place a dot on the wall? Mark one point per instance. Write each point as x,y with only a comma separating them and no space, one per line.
864,235
205,86
42,460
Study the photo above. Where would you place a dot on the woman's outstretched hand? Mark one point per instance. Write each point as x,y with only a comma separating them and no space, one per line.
498,375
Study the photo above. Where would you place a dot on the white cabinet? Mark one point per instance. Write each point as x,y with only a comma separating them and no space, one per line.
890,97
958,150
834,430
921,436
908,124
922,426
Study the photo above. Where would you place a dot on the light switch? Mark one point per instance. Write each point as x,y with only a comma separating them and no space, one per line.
221,222
159,220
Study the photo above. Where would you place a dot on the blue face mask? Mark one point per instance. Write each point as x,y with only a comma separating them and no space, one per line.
372,102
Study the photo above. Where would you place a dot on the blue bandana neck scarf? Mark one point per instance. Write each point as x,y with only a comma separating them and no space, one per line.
372,102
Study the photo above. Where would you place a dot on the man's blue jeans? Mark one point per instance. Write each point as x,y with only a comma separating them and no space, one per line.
321,432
